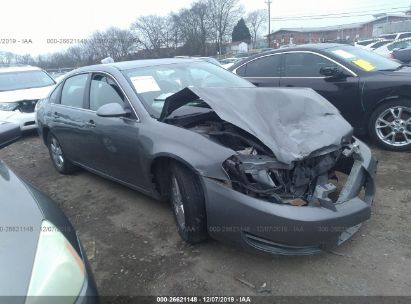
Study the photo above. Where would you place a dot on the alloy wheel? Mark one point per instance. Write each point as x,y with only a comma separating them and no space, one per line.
57,153
393,126
177,201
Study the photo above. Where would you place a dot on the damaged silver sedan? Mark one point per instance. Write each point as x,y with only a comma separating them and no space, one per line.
274,170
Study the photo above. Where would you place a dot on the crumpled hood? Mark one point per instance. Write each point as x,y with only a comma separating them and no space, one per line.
26,94
291,122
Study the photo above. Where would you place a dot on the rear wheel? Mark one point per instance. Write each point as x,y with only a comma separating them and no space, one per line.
60,162
390,125
187,200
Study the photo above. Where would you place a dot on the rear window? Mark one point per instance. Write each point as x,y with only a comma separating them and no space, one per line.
24,80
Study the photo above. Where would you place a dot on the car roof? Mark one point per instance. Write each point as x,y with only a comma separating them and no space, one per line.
17,68
128,65
300,47
400,40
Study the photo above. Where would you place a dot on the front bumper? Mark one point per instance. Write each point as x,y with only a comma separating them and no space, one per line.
291,230
26,121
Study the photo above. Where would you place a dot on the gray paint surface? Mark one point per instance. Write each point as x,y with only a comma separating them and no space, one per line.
20,221
293,123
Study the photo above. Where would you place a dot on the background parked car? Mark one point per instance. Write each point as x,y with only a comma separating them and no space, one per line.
403,55
20,89
41,254
387,49
373,93
396,36
377,44
367,42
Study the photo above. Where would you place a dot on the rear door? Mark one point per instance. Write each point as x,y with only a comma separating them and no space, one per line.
263,71
68,117
302,69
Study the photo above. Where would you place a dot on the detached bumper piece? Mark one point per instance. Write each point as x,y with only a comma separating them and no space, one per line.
284,229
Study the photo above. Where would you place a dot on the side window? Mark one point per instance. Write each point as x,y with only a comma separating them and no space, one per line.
305,65
73,91
55,94
241,70
268,66
104,90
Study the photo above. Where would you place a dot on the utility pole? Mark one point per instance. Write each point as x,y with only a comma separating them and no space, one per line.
268,2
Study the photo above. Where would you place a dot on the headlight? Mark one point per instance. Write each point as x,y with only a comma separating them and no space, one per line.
58,270
8,106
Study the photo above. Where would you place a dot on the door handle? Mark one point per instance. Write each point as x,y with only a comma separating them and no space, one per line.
289,86
56,115
91,123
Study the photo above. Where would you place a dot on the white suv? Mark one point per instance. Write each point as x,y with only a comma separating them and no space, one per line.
20,89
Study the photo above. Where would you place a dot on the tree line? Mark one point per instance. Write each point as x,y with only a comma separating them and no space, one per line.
200,30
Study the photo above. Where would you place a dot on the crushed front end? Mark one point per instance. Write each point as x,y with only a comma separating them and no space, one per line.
297,182
303,208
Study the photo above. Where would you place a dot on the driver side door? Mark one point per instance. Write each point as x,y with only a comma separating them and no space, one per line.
115,143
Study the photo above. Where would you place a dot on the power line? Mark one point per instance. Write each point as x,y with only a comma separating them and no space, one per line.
358,9
341,15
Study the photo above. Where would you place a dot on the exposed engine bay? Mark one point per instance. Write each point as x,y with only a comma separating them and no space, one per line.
255,171
280,155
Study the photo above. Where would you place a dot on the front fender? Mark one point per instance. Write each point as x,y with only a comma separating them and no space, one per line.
192,149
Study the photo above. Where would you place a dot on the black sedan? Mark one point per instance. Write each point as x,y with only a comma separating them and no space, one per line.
372,92
41,258
237,162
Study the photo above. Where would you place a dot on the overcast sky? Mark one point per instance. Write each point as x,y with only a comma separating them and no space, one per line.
76,19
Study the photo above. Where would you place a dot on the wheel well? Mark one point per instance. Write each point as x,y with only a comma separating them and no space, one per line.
46,132
160,172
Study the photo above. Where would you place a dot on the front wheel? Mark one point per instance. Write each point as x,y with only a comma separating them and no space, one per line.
390,125
188,203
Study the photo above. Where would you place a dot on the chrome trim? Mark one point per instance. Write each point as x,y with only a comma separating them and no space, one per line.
290,52
70,107
114,78
235,70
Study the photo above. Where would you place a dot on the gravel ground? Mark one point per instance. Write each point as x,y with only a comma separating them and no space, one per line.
134,248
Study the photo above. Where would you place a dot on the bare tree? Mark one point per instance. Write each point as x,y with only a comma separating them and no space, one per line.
152,32
194,28
118,42
256,21
223,14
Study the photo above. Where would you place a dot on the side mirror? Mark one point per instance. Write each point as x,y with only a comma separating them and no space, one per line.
9,132
332,72
112,110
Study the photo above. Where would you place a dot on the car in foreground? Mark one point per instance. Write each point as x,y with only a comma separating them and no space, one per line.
20,89
372,92
256,167
41,257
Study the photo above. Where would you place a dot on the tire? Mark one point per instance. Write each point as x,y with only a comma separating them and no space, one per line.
186,192
60,162
390,125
